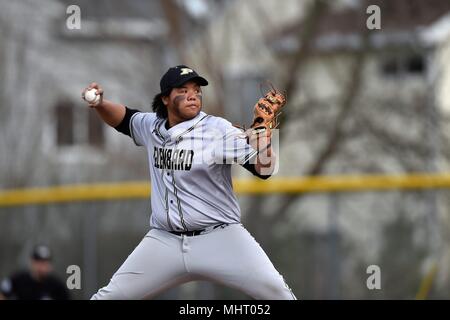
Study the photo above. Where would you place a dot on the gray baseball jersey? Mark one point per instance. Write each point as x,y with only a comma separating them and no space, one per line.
190,169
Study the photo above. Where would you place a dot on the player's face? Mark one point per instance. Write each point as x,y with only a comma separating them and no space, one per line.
40,269
184,103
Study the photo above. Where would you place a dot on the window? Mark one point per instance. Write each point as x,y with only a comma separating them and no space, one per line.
416,64
64,124
390,67
76,125
95,129
403,65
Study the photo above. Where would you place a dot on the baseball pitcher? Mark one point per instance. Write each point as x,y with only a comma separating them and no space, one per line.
195,229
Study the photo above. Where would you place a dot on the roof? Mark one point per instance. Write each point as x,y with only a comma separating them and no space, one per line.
143,9
399,19
142,20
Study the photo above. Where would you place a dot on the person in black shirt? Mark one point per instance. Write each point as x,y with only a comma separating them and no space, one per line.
37,283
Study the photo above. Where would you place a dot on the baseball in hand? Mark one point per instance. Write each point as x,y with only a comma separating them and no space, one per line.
91,97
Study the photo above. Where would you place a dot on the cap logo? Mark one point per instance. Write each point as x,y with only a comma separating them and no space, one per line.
43,252
185,71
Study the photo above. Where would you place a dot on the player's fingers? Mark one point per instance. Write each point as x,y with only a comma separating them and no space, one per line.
99,91
93,105
83,93
265,106
94,85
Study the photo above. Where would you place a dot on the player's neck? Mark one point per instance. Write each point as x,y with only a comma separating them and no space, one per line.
174,120
171,122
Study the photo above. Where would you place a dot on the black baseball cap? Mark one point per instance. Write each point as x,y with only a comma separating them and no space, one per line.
177,76
41,253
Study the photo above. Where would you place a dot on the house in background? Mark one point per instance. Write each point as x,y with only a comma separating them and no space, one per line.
120,47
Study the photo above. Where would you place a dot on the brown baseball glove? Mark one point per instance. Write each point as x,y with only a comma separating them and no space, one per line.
265,114
265,118
267,110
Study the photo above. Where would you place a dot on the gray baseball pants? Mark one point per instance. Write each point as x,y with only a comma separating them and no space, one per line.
228,255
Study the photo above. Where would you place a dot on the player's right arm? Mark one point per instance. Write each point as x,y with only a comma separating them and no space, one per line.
112,113
131,122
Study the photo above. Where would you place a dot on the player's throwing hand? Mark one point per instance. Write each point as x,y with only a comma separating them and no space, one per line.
93,95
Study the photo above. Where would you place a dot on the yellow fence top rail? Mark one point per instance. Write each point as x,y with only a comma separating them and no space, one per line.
141,189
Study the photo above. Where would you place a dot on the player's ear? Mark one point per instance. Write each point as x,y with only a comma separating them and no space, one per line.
165,100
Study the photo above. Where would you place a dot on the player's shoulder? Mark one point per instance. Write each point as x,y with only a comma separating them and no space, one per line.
218,122
144,119
146,115
17,279
21,275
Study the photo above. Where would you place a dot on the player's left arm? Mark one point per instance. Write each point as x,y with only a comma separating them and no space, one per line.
265,119
264,162
252,150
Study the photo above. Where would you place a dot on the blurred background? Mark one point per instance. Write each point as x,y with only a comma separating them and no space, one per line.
360,102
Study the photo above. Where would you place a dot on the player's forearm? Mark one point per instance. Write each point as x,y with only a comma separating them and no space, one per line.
112,113
265,162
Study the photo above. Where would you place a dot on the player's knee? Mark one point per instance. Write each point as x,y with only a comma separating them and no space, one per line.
277,289
110,292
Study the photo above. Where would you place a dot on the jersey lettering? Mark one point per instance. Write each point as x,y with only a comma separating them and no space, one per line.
170,159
